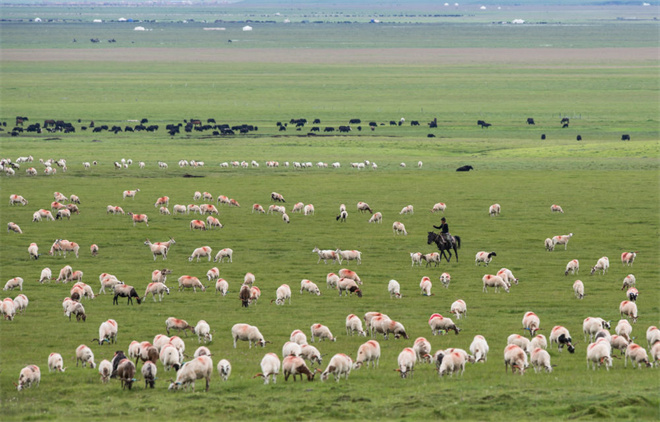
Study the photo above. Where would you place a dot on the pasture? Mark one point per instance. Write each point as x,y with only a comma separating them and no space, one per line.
607,188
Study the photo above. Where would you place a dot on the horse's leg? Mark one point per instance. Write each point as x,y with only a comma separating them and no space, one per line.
456,251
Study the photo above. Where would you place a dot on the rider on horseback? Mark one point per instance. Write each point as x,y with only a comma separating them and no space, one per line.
444,230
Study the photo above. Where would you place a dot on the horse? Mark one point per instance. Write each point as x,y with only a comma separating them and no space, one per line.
443,245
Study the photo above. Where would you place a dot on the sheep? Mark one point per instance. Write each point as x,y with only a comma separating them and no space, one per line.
354,324
41,214
172,323
450,362
221,286
342,216
479,348
206,196
624,329
29,376
340,364
561,240
440,206
591,326
77,309
197,225
495,281
249,333
363,206
652,335
406,361
603,265
561,336
204,251
107,332
299,337
109,281
222,254
111,209
531,323
282,294
494,210
309,286
224,369
346,273
384,325
124,290
270,368
655,354
620,343
425,285
65,274
170,357
331,280
628,281
13,227
13,283
213,274
519,340
291,348
549,246
258,208
208,208
422,348
399,228
149,372
376,218
325,255
198,368
46,275
190,282
202,351
8,309
311,354
349,286
294,365
483,257
408,209
126,373
416,258
627,258
203,331
17,199
540,360
440,324
55,363
637,355
556,208
599,351
129,193
105,369
572,267
234,203
21,303
298,207
321,332
629,310
445,278
432,257
578,289
394,288
351,255
632,294
84,355
277,197
515,357
33,251
156,288
538,341
459,308
276,208
368,352
507,276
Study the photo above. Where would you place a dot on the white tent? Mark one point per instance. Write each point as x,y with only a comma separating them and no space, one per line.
247,28
139,28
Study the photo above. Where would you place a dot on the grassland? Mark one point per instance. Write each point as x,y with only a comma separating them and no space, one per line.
608,188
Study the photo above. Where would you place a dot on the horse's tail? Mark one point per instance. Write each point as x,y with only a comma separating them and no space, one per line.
458,241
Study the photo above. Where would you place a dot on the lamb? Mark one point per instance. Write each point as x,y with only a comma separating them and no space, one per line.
298,207
627,258
384,325
556,208
445,278
376,218
277,197
432,257
340,364
406,361
309,286
325,255
55,363
484,257
203,331
204,251
349,286
416,258
540,360
490,280
363,206
628,281
561,336
507,276
440,324
249,333
425,285
351,255
354,324
191,282
479,348
13,283
149,372
224,369
198,368
321,332
572,267
270,367
107,332
29,376
629,310
440,206
549,246
299,337
221,286
603,265
422,348
368,352
276,208
84,355
637,355
578,289
105,369
459,308
531,323
394,288
494,210
11,226
172,323
294,365
399,228
129,193
283,293
591,326
561,240
515,357
222,254
408,209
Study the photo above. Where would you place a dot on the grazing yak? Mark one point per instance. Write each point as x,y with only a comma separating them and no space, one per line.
465,168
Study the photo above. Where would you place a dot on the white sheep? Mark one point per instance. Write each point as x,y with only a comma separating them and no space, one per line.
224,253
450,362
549,246
204,251
479,348
311,354
291,348
321,332
8,309
107,332
394,288
628,281
331,280
416,258
637,355
627,258
282,294
340,364
459,308
440,206
629,310
368,352
105,370
602,265
46,275
578,289
440,324
85,355
203,331
55,363
483,257
507,276
222,286
538,341
14,283
21,303
433,257
349,255
399,228
325,255
213,274
591,326
624,329
422,348
299,337
599,352
495,281
13,227
572,267
249,333
562,240
562,337
406,361
652,335
33,251
515,357
531,322
556,208
408,209
170,357
425,285
354,324
309,286
494,210
270,368
198,368
224,369
29,376
376,218
445,278
540,360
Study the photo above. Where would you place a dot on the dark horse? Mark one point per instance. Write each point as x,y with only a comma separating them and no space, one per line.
443,245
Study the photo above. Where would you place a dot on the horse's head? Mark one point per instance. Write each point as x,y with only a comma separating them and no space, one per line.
430,238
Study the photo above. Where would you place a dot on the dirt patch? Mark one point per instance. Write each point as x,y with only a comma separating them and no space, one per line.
393,56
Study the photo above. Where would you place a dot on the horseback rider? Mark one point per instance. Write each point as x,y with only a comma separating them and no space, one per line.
444,230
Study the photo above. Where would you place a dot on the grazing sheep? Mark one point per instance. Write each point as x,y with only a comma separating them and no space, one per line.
507,276
13,283
11,226
105,369
376,218
213,274
349,286
368,352
603,265
363,206
270,367
203,331
628,281
425,285
321,332
440,324
85,355
637,355
459,308
479,348
433,257
399,228
627,258
55,363
29,376
249,333
406,361
294,365
309,286
440,206
224,369
224,253
562,337
299,337
531,322
408,209
494,210
556,208
222,286
600,352
578,289
354,324
198,368
652,335
339,365
632,294
282,294
624,329
515,357
422,348
572,267
591,326
416,258
204,251
540,360
484,257
495,281
149,372
394,288
187,281
629,310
